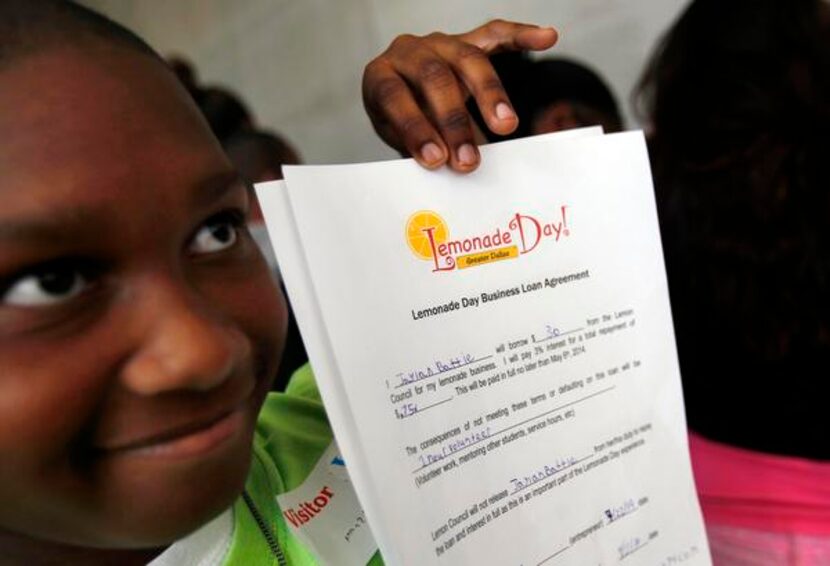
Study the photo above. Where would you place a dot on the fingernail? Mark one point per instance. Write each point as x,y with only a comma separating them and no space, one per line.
431,152
504,112
467,155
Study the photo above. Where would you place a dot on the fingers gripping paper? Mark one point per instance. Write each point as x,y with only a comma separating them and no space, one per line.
495,352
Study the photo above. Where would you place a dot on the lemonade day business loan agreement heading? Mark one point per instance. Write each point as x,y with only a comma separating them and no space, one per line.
496,352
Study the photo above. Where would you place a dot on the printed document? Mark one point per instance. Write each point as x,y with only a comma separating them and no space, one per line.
496,352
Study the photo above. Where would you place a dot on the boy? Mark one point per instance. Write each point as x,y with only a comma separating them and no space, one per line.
139,326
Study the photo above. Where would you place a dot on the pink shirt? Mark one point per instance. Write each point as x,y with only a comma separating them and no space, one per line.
743,488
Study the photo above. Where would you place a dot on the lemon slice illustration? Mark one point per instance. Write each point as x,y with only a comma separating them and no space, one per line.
417,228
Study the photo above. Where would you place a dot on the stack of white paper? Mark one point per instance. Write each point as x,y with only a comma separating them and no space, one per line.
495,352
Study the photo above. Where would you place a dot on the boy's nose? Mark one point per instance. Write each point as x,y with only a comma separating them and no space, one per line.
185,348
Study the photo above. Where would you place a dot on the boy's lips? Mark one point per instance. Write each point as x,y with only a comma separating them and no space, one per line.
185,436
186,440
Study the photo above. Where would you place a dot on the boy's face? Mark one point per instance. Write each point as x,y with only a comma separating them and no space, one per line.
139,326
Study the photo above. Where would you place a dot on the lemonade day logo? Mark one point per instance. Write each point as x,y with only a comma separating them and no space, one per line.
428,237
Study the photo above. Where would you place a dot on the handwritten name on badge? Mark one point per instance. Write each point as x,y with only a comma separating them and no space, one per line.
325,514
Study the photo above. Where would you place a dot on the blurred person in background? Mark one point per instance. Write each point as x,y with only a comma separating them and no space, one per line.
224,111
569,95
738,99
259,156
553,94
185,72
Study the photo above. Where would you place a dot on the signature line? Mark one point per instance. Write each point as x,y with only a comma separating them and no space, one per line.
554,555
559,408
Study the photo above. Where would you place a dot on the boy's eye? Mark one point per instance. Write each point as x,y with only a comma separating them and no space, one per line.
219,233
44,287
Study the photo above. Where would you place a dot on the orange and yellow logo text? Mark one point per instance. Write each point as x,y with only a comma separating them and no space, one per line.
429,239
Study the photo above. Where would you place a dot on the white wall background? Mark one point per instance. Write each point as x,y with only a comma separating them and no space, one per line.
298,63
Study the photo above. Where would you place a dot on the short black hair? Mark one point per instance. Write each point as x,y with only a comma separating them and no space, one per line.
535,84
28,27
225,112
252,150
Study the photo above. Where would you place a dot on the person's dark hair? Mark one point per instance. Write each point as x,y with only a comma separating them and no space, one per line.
534,85
30,26
254,150
225,112
738,70
559,79
738,100
185,72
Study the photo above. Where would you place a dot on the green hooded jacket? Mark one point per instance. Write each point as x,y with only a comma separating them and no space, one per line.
292,434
